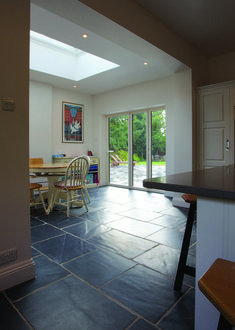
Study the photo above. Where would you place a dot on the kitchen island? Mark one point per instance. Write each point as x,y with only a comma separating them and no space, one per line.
215,189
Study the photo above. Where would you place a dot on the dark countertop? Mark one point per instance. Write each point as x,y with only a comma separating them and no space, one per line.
217,182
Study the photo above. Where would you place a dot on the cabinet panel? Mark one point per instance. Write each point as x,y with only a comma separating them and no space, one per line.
214,144
215,125
213,107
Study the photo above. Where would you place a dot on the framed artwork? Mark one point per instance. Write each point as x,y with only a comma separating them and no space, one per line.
73,131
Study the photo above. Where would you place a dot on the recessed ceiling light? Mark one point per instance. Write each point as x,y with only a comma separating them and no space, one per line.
146,63
75,86
85,35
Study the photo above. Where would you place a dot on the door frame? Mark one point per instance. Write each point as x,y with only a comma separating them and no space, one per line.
130,114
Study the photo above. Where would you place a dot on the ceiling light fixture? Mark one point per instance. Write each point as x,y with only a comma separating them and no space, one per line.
85,35
146,63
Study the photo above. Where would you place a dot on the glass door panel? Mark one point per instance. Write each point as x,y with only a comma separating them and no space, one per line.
118,150
137,147
158,143
139,150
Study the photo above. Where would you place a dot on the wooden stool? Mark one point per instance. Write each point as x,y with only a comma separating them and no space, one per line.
37,187
182,267
218,285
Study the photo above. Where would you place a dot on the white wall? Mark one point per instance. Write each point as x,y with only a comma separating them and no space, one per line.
46,121
175,93
40,120
182,114
71,149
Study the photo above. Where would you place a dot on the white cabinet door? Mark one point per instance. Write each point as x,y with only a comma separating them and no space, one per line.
216,126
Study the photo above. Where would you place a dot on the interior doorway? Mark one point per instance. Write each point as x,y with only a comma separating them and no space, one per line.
137,147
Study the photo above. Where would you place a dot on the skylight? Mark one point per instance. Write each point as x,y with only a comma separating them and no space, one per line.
59,59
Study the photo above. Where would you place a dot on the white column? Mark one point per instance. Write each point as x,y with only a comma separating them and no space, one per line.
215,239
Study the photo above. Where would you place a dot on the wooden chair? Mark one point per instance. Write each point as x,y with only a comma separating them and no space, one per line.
43,188
218,286
33,202
86,191
33,161
73,184
183,268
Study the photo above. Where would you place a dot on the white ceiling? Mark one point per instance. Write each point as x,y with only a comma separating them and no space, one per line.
67,20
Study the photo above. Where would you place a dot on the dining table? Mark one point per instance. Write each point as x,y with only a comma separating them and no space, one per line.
53,172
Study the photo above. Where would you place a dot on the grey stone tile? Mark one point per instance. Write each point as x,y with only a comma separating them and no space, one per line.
72,304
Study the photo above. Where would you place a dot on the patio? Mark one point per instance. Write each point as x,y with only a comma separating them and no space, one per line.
119,174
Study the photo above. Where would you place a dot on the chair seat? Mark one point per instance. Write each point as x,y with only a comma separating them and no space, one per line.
218,285
35,186
61,185
190,198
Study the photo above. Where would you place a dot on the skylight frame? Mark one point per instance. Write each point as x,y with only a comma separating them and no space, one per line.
44,49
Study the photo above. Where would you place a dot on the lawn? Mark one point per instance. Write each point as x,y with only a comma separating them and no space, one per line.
163,163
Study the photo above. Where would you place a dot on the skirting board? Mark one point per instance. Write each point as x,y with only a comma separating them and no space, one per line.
16,274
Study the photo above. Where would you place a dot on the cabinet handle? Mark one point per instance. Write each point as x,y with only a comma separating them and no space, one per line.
227,145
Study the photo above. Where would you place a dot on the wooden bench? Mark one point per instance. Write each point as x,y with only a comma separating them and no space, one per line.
117,161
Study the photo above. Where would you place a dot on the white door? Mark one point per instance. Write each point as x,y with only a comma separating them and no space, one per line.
216,127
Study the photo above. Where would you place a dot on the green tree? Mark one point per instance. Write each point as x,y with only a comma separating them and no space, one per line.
139,135
118,133
159,133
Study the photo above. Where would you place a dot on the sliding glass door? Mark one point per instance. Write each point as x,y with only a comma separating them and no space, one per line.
158,143
137,147
139,143
118,150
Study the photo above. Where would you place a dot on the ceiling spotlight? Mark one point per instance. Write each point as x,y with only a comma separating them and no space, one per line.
85,35
75,86
146,63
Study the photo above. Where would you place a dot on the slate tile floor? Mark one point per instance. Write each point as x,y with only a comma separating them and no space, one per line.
110,268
